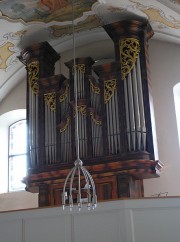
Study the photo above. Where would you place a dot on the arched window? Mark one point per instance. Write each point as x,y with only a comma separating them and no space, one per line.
17,155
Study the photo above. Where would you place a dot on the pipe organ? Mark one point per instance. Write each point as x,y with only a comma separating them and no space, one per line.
115,134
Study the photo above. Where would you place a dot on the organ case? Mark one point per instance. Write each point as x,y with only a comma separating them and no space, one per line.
116,140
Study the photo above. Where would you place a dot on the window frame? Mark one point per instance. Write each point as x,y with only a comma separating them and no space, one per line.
16,155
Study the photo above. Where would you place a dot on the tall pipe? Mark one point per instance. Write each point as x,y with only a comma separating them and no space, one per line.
131,112
127,114
136,108
141,104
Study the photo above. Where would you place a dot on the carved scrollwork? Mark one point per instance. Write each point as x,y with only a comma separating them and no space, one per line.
109,89
33,76
80,68
129,51
64,95
50,100
94,88
65,126
81,109
95,120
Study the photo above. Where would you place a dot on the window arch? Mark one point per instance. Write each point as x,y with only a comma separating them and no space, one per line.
6,119
17,158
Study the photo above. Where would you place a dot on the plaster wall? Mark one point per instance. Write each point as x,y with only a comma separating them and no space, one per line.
165,74
16,99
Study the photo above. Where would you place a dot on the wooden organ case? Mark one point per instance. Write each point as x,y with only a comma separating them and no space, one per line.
116,140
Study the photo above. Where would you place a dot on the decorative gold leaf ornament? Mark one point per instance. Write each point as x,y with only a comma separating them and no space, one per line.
96,121
109,89
80,68
64,95
94,88
33,76
129,51
66,125
81,109
50,100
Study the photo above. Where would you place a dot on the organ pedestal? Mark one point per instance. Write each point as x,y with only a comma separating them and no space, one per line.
116,139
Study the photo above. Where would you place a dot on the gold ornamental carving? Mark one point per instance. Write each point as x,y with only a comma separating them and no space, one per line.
81,109
63,129
129,52
109,89
94,88
33,76
96,121
64,95
50,100
80,68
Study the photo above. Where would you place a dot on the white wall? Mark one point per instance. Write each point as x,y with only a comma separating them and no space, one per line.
165,73
151,220
16,99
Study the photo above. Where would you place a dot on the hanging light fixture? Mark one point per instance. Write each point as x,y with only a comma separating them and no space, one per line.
79,184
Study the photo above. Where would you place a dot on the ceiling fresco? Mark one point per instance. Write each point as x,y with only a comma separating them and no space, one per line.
44,11
157,14
29,21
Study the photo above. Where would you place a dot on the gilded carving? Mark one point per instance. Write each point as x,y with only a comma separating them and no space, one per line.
81,109
94,88
96,121
109,89
64,95
66,125
129,51
33,76
80,68
50,100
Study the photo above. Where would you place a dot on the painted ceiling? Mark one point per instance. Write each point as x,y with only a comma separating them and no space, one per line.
29,21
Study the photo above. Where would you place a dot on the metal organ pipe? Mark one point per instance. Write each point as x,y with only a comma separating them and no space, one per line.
131,112
30,126
50,127
141,103
65,133
136,108
54,133
108,129
134,105
127,114
117,121
46,134
33,127
111,104
31,132
97,144
115,125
